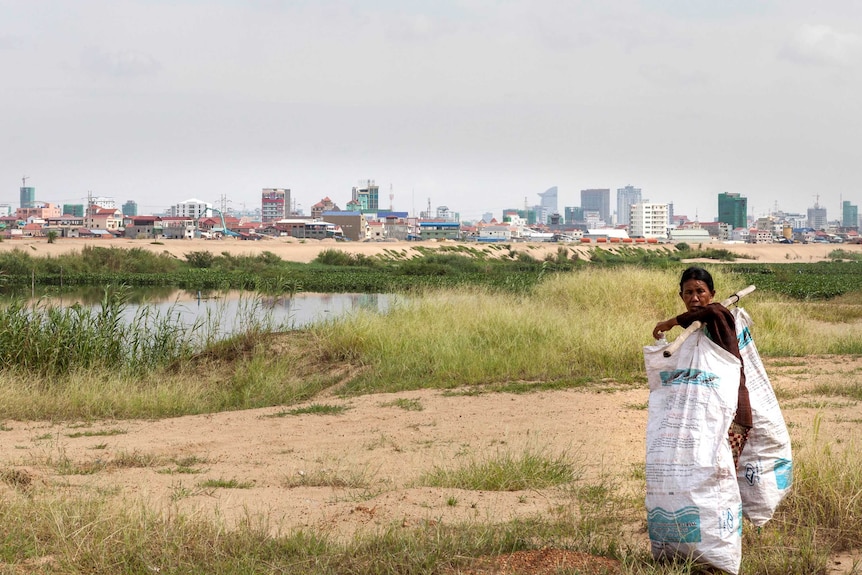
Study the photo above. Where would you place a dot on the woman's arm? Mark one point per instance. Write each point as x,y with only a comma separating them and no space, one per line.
663,326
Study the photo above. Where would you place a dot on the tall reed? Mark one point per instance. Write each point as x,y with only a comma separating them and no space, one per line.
46,339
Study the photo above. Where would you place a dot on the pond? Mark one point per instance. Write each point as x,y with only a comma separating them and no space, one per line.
227,312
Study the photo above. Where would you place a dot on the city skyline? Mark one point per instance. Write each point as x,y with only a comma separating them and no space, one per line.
476,105
612,200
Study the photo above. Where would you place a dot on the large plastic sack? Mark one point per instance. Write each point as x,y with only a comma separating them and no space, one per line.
693,504
765,470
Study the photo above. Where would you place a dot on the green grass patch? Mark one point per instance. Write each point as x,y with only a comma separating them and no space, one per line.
100,433
330,477
225,484
505,471
313,409
404,403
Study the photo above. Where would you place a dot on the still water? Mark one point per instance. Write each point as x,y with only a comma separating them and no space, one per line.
232,311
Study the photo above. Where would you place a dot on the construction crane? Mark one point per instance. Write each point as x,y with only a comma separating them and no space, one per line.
223,229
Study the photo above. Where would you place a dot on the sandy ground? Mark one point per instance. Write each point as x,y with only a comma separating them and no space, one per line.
371,457
361,469
306,250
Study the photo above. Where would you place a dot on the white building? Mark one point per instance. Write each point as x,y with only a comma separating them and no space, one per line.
105,202
192,208
500,233
648,220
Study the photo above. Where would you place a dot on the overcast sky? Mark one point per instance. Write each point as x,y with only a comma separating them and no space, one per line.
478,105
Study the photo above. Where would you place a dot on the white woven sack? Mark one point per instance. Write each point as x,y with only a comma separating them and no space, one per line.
693,504
765,465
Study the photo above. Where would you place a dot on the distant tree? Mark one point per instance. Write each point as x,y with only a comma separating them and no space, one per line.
52,236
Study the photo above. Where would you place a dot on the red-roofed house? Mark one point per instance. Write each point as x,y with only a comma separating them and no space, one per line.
98,218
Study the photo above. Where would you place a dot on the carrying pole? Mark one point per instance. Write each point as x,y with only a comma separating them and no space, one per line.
675,345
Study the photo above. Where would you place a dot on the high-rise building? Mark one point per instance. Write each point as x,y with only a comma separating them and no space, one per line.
130,208
367,196
597,200
626,198
28,197
573,214
817,217
849,215
193,209
274,204
548,203
733,210
648,220
76,210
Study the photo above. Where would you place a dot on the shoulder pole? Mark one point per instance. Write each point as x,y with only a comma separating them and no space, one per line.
675,345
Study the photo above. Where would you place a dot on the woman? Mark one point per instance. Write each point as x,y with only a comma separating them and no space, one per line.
696,289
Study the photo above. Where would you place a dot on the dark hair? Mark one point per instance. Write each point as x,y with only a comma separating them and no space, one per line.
696,273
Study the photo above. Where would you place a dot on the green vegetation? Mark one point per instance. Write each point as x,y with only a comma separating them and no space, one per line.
225,484
314,409
337,477
571,330
405,404
506,471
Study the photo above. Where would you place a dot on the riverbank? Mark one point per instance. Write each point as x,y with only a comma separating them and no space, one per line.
304,251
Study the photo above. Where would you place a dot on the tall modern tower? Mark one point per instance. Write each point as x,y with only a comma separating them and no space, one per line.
28,194
597,200
849,215
626,198
817,216
733,210
549,200
130,208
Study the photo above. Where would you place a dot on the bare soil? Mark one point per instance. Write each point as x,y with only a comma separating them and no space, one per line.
359,470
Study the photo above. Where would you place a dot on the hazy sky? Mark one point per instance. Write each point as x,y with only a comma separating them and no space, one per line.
478,105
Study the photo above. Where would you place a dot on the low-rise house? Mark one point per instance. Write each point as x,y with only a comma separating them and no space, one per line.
434,230
33,230
324,205
376,231
66,225
353,225
143,227
98,218
178,228
757,236
493,234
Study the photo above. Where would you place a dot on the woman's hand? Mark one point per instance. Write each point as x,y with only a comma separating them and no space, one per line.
663,327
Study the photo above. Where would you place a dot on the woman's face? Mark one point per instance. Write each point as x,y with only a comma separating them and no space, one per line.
695,294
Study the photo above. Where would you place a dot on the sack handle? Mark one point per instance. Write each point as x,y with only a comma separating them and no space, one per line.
675,345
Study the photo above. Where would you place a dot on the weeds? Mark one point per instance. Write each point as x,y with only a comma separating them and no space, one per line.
313,409
505,471
225,484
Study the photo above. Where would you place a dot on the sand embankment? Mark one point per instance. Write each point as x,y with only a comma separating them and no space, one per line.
291,249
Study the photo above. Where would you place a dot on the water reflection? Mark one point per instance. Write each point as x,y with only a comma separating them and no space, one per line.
232,311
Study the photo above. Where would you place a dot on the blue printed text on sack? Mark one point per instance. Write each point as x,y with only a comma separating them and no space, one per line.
689,377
